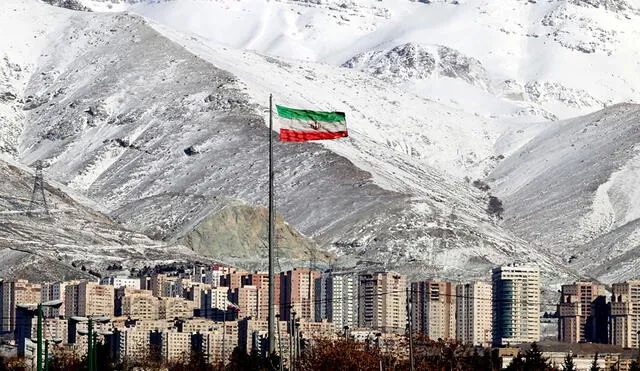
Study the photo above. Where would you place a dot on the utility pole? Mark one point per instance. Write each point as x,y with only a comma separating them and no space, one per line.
410,319
271,311
39,335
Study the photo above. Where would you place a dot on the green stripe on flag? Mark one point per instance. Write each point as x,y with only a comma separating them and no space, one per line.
300,114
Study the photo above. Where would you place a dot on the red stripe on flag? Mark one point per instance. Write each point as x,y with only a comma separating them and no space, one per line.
287,135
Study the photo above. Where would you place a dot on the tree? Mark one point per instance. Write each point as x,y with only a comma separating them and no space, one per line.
594,364
635,366
495,207
568,363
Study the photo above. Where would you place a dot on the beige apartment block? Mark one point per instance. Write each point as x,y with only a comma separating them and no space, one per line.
12,293
434,309
137,304
172,345
157,284
582,313
219,341
261,281
516,305
95,299
473,313
247,299
624,320
170,308
214,302
194,293
297,293
382,301
132,344
154,325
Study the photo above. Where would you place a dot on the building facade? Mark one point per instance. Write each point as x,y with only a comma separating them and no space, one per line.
624,320
473,313
382,301
434,309
516,305
337,298
582,313
297,293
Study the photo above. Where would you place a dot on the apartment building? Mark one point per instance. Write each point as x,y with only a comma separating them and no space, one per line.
247,299
170,308
382,301
473,313
132,343
337,298
218,342
624,320
12,293
214,303
582,313
261,281
53,291
136,304
434,309
95,299
119,281
170,345
297,293
516,305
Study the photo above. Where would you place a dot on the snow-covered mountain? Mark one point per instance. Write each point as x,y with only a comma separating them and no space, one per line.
162,124
528,60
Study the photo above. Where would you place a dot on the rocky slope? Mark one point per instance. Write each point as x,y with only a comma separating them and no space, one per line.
190,131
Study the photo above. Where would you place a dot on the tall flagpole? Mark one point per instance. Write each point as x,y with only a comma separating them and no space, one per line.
272,318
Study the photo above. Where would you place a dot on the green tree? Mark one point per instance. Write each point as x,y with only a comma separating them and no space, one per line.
635,366
568,363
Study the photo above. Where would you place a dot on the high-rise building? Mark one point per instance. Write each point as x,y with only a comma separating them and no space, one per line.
89,299
169,308
337,298
218,342
473,313
247,300
214,303
261,281
516,305
95,299
297,293
136,304
131,343
53,291
382,301
582,313
434,309
624,321
119,281
12,293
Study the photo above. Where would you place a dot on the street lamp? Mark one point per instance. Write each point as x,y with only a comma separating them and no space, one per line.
46,351
38,308
92,364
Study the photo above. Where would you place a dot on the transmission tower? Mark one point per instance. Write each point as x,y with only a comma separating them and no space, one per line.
38,191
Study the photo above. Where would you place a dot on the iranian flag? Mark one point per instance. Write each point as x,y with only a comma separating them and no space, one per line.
297,125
